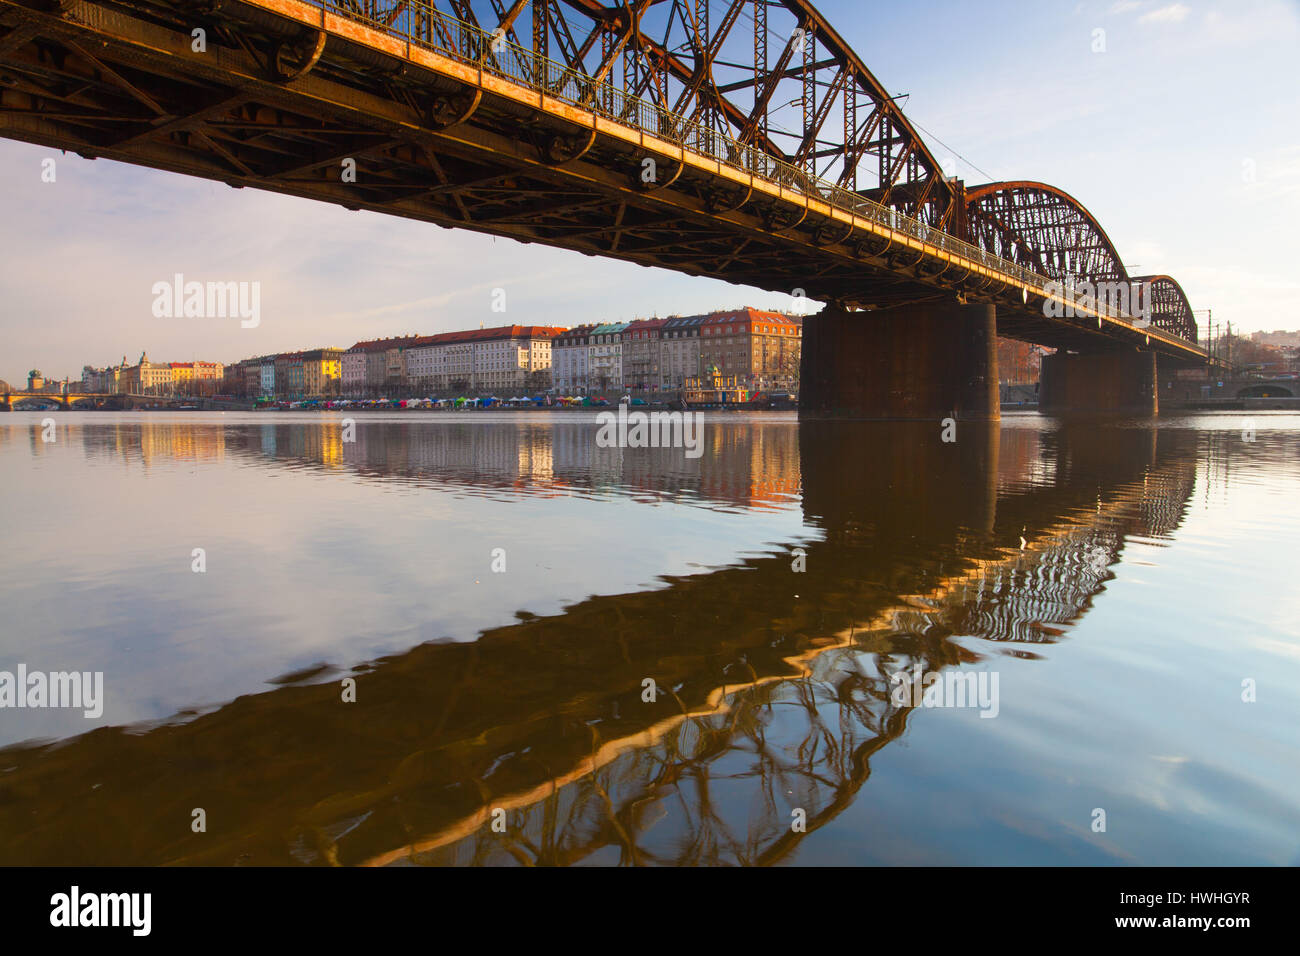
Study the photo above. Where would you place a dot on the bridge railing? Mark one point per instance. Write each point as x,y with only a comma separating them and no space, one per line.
421,24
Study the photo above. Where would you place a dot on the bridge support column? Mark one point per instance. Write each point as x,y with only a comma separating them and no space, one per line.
1099,383
922,362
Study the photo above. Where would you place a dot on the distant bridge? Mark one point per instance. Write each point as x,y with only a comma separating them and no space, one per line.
66,399
684,134
1235,391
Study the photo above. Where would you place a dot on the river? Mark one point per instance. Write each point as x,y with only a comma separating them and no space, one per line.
482,638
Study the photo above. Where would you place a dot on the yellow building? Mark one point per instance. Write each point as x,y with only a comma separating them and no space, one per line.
147,377
196,378
182,375
322,372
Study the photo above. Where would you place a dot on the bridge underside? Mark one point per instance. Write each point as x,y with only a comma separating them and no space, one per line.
275,104
143,97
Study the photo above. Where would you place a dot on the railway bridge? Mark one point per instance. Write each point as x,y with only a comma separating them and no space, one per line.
738,139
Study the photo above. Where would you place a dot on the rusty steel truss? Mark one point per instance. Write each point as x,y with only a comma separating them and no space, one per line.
1171,310
1049,231
738,139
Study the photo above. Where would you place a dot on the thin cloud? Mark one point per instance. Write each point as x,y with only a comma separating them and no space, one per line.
1173,13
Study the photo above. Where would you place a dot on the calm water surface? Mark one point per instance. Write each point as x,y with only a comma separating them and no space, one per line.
500,589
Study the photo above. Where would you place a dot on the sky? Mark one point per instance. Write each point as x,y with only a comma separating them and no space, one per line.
1178,127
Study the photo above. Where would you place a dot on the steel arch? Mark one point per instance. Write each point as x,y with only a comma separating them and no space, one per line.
1043,228
1170,309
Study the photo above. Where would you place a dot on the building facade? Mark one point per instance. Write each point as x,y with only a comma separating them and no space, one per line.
679,349
375,368
642,361
322,372
353,369
569,360
510,358
761,349
197,378
250,378
605,357
283,383
147,378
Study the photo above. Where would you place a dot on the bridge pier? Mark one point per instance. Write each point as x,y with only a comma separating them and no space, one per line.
921,362
1099,383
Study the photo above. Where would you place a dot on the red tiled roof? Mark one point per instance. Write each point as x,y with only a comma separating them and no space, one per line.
375,345
747,314
487,335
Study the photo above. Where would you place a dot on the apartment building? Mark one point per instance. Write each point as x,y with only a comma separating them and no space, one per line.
196,377
322,371
510,358
679,349
284,383
423,362
353,369
569,360
642,365
293,379
250,376
375,367
760,348
103,380
605,357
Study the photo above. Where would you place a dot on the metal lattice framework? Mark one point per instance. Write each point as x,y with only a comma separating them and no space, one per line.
1049,231
1045,229
1169,306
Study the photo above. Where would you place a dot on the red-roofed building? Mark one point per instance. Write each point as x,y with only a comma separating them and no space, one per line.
642,368
375,367
761,348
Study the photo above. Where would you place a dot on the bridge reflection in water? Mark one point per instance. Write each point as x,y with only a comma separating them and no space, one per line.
774,690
